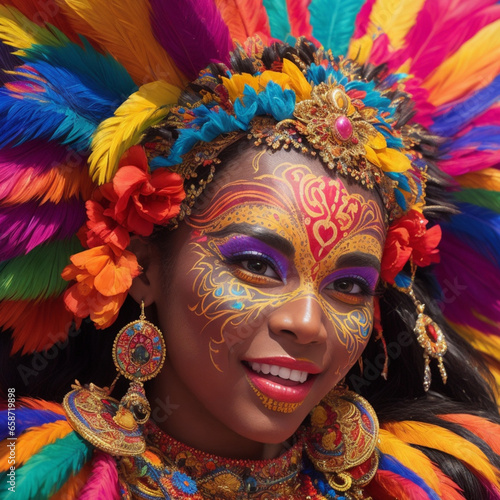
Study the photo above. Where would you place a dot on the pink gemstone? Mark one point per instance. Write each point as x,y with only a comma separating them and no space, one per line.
344,127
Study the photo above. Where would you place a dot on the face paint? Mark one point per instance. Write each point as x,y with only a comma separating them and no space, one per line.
318,221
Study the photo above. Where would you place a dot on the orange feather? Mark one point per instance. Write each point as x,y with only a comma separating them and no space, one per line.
433,436
123,29
31,441
41,404
59,183
488,431
244,18
25,317
299,18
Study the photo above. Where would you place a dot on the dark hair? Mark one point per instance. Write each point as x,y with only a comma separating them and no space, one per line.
86,355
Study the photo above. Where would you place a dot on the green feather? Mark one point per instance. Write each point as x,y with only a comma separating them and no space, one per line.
37,275
46,472
278,20
480,197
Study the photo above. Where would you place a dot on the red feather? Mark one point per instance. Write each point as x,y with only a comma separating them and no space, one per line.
391,486
299,18
26,318
245,18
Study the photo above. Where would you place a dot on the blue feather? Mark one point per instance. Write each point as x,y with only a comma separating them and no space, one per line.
389,463
64,108
478,227
101,71
46,472
483,138
334,30
278,20
460,114
26,418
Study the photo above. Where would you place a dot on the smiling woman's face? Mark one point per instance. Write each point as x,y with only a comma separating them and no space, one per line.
270,299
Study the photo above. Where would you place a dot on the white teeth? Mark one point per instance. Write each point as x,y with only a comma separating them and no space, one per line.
280,371
265,369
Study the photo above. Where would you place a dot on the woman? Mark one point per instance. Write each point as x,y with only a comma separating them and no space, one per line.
269,222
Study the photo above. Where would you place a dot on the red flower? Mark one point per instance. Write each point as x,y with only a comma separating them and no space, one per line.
141,199
409,238
103,280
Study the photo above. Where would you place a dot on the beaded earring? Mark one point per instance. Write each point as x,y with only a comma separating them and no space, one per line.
429,335
111,425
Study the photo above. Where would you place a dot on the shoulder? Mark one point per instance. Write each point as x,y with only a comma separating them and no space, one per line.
43,457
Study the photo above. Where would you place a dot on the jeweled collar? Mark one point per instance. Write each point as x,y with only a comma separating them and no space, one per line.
333,454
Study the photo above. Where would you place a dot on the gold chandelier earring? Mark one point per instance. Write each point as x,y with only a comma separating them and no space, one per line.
111,425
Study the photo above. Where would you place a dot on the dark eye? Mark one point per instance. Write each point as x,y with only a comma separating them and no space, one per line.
259,267
347,286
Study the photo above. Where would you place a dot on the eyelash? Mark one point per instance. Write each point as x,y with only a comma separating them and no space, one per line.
352,298
245,274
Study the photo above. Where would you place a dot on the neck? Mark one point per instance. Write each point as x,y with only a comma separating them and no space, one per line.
185,420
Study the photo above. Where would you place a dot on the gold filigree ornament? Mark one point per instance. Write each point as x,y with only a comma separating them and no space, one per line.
111,425
339,130
342,441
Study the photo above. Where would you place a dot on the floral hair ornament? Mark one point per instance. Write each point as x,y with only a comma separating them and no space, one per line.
132,203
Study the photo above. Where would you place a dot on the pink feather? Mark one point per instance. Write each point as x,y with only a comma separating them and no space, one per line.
453,23
103,480
192,32
469,160
299,18
26,226
363,19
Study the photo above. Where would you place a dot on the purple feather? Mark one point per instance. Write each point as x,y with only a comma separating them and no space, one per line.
192,32
26,226
26,418
103,480
467,290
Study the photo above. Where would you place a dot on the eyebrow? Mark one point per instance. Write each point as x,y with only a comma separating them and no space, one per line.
358,259
261,233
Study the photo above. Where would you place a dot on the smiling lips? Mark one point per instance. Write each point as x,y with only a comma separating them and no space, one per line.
282,379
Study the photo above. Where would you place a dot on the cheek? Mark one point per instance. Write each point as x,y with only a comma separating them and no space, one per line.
349,333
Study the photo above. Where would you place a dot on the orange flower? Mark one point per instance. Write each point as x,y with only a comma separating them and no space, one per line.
409,238
142,199
103,279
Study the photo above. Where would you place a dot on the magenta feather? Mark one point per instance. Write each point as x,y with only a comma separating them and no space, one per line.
363,19
467,290
192,32
103,480
453,23
469,160
26,226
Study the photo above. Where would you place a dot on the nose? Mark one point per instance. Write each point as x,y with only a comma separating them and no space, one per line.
302,318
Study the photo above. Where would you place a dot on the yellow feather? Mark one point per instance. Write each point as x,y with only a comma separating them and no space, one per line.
30,442
487,344
470,68
115,135
360,49
433,436
488,178
395,18
409,457
123,29
18,31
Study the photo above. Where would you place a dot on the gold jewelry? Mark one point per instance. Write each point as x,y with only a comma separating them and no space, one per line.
429,335
111,425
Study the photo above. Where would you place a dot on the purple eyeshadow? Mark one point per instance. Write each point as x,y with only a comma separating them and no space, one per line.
252,248
368,274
